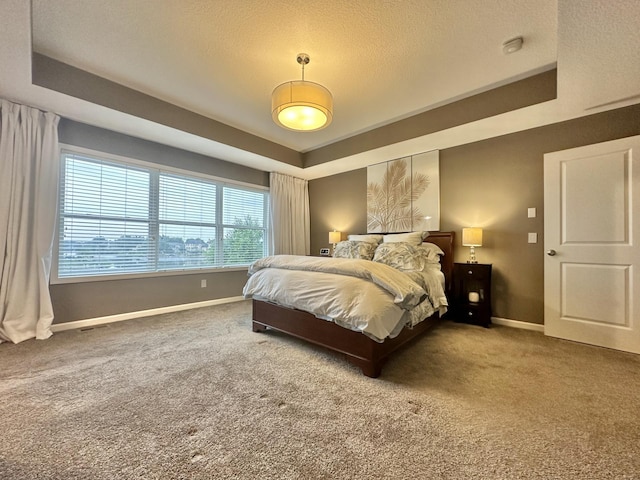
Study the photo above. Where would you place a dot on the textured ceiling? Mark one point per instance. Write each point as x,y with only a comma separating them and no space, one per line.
382,60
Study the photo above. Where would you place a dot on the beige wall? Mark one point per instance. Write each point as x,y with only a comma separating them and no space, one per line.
489,184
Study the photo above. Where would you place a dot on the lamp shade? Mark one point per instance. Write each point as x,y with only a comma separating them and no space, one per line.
472,237
335,237
302,105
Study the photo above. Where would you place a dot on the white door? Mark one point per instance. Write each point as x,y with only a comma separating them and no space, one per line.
592,254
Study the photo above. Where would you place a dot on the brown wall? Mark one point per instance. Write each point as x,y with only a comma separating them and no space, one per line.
78,301
337,203
489,184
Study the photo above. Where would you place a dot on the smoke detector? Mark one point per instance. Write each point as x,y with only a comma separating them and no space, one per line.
511,46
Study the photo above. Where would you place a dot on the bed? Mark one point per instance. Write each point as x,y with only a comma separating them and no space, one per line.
362,349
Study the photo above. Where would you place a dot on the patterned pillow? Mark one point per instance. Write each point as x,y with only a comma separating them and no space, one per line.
431,252
401,255
351,249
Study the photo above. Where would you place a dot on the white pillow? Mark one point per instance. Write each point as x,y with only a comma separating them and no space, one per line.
414,238
366,238
433,266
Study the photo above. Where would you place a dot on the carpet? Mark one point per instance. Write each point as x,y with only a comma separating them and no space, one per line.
198,395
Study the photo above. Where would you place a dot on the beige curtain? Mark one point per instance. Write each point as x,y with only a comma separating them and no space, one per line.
289,214
29,171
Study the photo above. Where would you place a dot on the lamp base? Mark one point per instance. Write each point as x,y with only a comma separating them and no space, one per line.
472,255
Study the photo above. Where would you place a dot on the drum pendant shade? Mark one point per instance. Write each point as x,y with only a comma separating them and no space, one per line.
301,105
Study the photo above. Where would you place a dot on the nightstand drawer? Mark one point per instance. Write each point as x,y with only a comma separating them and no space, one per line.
476,314
475,272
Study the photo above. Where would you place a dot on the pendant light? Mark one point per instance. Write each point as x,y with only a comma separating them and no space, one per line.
300,105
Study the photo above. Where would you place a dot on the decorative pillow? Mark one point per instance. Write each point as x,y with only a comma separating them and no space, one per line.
414,238
401,255
366,238
350,249
431,252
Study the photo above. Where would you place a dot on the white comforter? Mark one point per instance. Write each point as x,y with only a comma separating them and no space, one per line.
366,296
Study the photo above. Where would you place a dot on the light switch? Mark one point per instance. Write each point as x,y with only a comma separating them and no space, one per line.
533,237
531,212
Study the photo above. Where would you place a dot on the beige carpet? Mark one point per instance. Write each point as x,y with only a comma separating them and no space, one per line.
197,395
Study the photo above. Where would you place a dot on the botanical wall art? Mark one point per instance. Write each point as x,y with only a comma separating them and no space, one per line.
404,195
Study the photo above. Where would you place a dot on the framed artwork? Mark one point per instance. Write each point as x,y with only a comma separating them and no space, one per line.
404,194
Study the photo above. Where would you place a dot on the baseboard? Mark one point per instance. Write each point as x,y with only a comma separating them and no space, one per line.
518,324
89,322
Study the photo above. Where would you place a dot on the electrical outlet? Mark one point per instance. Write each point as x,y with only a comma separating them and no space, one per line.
203,283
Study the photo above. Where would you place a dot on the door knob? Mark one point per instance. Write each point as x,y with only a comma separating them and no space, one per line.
551,253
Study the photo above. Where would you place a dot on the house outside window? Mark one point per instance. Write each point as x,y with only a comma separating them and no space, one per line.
122,217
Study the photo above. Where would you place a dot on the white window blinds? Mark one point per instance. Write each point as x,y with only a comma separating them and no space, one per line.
244,223
118,218
187,223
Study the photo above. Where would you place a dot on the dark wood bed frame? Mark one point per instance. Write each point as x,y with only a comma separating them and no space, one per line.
359,349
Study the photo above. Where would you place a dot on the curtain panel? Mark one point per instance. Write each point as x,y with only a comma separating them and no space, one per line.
29,172
289,215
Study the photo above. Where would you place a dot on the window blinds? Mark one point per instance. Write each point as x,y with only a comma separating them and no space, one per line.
118,218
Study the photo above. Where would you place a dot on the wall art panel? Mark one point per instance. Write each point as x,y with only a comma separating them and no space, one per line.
404,194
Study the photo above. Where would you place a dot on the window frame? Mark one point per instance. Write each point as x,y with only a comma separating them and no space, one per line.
155,170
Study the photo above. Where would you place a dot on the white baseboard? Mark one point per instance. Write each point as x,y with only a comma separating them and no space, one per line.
90,322
536,327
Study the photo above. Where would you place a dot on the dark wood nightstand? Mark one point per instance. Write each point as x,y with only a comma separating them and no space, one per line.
471,293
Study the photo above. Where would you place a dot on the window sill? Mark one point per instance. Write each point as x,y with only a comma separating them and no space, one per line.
134,276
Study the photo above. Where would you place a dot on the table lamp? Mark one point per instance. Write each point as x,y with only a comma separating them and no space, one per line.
472,237
335,237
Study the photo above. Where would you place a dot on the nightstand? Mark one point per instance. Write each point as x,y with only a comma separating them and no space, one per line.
471,293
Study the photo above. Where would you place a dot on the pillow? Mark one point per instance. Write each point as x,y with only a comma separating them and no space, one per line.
400,255
349,249
431,252
433,266
366,238
414,238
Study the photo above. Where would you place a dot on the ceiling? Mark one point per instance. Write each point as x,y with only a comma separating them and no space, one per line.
382,60
222,58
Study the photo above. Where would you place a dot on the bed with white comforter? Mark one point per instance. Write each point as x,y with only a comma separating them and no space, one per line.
361,295
378,293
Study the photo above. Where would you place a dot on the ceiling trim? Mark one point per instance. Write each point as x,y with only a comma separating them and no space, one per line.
61,77
532,90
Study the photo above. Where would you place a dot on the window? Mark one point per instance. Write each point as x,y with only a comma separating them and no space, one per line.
124,217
